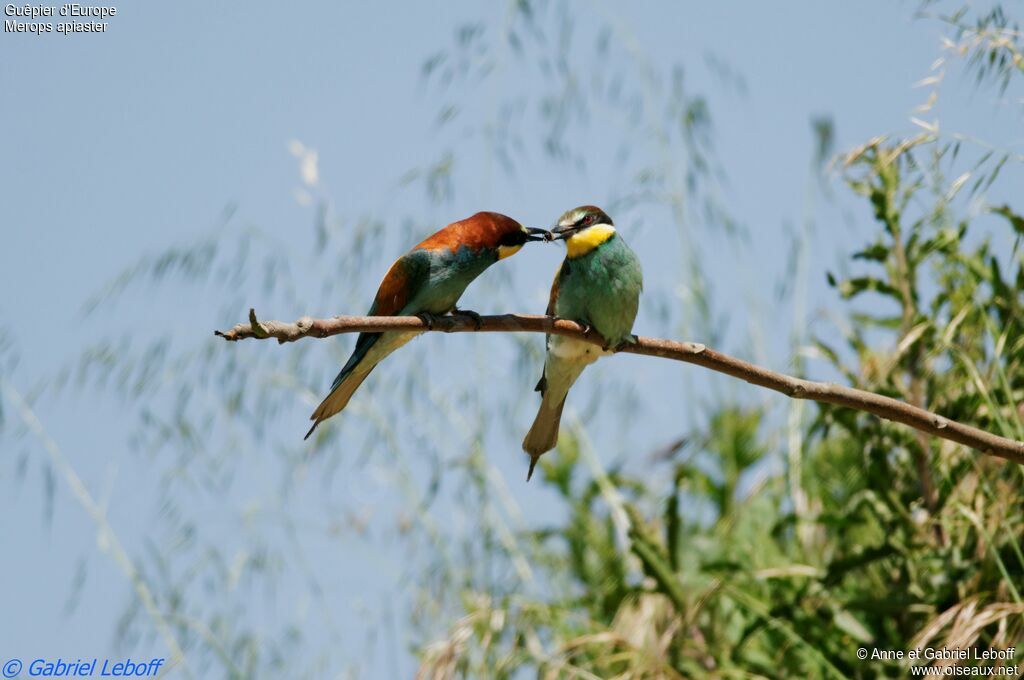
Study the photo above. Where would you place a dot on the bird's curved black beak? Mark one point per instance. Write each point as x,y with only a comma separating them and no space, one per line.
560,233
537,234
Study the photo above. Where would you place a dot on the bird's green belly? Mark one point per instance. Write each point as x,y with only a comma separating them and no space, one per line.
602,289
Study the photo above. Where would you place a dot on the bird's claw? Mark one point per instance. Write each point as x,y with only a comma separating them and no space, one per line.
428,319
630,340
478,320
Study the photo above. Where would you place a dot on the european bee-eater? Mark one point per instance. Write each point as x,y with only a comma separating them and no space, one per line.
426,281
598,286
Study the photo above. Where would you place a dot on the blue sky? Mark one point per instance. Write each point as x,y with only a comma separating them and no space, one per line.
128,142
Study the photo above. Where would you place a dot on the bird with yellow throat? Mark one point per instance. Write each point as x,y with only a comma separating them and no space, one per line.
598,286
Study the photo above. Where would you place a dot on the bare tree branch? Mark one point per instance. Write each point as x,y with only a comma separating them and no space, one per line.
689,352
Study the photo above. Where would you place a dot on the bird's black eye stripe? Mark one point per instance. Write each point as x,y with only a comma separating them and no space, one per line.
513,238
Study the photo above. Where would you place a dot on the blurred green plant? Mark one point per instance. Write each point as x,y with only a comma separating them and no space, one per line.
910,542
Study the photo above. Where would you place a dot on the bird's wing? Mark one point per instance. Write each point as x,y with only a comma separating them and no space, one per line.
542,384
404,279
553,298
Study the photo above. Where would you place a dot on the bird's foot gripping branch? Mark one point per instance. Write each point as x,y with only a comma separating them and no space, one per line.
689,352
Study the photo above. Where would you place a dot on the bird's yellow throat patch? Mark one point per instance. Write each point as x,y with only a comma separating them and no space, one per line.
583,242
507,251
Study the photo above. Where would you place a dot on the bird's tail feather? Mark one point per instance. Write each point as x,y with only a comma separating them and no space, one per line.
338,398
559,376
371,349
543,434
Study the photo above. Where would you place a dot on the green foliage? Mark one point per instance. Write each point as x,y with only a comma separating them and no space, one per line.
909,541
